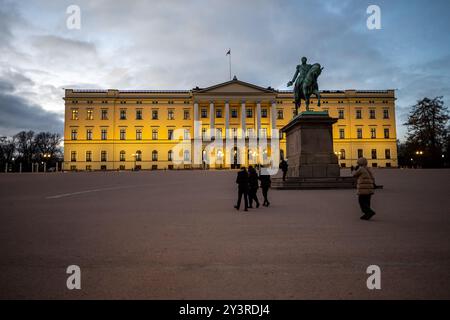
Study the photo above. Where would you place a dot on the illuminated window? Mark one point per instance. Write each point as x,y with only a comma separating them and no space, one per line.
123,134
74,114
155,134
341,133
90,114
373,133
138,155
122,156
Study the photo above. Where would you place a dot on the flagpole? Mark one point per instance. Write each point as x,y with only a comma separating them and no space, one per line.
229,60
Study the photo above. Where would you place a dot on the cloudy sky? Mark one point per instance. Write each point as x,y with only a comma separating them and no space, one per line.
169,44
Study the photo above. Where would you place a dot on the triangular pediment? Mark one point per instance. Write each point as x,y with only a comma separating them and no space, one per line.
234,86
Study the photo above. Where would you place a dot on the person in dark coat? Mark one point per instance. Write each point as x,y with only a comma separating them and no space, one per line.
242,182
284,168
252,187
265,185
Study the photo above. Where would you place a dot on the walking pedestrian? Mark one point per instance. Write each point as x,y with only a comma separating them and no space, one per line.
365,188
284,168
252,187
242,182
265,185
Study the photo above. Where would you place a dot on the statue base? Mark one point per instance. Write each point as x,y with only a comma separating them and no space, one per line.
311,158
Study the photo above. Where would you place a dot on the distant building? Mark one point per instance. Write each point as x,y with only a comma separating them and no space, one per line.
124,129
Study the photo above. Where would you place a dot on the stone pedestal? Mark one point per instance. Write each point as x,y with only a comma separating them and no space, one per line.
311,158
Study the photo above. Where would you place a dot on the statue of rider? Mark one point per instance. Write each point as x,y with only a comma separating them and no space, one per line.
300,74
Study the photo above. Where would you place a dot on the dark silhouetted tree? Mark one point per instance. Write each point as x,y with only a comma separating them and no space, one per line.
427,132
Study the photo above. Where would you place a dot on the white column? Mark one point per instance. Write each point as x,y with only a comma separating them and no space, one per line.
258,118
197,128
227,119
243,118
273,120
211,119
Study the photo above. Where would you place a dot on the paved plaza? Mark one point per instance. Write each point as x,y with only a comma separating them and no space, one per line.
176,235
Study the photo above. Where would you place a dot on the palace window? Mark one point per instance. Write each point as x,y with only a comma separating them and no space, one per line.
186,134
123,134
263,113
122,156
341,133
88,156
359,133
234,113
234,133
154,155
204,113
138,155
74,134
280,114
249,113
360,153
104,114
218,113
263,133
186,115
374,153
373,133
138,114
385,114
90,114
155,134
154,114
170,114
74,114
372,114
89,134
219,133
103,156
73,156
387,154
104,134
123,114
386,133
204,133
341,114
170,134
342,154
170,155
187,155
358,114
138,134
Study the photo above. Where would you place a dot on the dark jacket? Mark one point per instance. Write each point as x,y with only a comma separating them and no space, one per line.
265,181
242,179
284,165
253,179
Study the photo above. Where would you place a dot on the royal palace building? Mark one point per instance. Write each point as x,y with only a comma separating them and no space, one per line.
142,129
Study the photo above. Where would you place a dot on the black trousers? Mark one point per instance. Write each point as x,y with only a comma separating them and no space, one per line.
252,196
284,175
265,190
242,192
364,203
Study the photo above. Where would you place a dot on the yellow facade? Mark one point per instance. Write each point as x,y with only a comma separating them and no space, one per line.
122,129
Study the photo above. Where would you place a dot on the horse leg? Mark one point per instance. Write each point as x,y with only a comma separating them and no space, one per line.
318,97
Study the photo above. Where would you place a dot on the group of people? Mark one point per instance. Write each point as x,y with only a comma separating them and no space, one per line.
248,184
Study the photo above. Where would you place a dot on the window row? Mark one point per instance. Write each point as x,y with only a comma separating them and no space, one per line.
134,157
359,133
218,133
360,152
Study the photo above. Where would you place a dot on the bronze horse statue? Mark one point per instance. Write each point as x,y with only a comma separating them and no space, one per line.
306,85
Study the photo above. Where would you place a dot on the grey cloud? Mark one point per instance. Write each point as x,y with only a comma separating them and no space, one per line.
18,114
